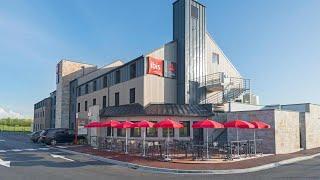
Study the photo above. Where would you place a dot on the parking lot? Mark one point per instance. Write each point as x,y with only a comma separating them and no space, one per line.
36,161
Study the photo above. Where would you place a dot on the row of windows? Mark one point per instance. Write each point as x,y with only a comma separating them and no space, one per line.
39,114
114,77
37,127
153,132
132,99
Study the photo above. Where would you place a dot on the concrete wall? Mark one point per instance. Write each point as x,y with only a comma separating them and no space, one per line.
283,137
69,71
312,127
224,64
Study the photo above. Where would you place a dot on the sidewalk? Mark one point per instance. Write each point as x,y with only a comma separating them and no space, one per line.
229,165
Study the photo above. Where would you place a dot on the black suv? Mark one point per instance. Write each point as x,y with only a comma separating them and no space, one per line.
34,137
57,135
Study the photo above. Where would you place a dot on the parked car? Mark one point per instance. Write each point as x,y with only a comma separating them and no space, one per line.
34,137
57,135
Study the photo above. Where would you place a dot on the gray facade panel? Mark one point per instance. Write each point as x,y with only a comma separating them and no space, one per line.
189,31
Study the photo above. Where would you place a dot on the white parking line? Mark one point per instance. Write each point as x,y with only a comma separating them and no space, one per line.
3,151
62,157
20,150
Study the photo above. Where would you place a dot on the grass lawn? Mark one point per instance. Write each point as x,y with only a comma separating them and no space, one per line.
13,128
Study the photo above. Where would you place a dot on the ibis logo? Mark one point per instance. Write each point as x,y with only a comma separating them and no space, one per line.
155,66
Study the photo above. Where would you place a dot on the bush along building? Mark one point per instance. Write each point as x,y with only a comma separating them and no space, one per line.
188,79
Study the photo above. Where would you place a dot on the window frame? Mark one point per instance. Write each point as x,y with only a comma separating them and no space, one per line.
117,99
132,97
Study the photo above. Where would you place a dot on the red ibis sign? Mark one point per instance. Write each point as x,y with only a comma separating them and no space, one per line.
155,66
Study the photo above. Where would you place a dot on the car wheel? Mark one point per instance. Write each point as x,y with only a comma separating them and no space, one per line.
53,142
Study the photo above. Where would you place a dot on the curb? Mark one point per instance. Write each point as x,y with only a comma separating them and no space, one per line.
190,172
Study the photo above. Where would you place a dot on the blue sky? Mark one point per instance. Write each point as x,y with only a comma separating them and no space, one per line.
274,43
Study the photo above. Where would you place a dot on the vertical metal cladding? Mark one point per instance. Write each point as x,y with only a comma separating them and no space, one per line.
189,28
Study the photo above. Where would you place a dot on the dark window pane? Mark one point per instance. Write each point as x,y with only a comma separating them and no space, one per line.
152,132
116,99
165,132
104,101
94,102
105,81
87,89
94,85
185,131
85,106
121,132
117,80
132,95
135,132
194,12
133,68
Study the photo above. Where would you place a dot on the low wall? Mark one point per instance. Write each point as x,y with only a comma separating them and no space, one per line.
283,136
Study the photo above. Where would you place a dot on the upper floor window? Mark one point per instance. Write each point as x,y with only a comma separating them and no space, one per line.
94,85
194,12
116,99
215,58
104,102
117,80
79,91
87,89
133,68
78,107
94,102
132,95
105,81
86,106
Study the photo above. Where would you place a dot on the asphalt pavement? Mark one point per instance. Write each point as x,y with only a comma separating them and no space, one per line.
29,161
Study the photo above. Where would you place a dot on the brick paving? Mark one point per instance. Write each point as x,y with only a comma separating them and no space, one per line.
205,166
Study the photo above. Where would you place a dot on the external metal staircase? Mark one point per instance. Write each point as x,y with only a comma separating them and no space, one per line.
220,89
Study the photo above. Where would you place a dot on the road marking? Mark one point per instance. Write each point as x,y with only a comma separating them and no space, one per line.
20,150
62,157
2,140
31,149
62,147
16,150
4,163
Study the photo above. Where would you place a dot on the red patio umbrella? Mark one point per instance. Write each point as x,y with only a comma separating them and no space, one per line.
93,124
238,124
207,123
110,123
258,125
144,124
126,125
168,123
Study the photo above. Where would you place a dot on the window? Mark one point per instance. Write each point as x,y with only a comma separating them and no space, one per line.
105,81
104,101
117,80
79,91
185,131
85,106
87,89
135,132
165,132
152,132
116,99
215,58
94,101
94,85
133,68
132,95
121,132
194,12
108,131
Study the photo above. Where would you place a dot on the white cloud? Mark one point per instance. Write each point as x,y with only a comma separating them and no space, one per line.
5,113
